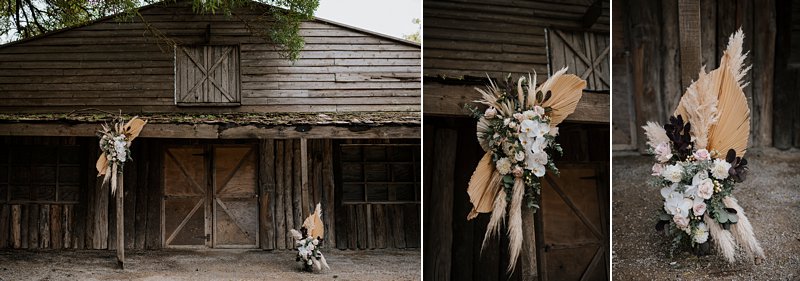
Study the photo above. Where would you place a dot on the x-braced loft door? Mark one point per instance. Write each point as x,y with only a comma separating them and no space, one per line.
210,197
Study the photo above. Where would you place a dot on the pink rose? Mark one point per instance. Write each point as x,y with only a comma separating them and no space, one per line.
702,154
699,208
519,116
663,152
681,222
705,189
518,171
657,169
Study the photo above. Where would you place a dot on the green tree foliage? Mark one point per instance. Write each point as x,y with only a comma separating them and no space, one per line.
21,19
415,36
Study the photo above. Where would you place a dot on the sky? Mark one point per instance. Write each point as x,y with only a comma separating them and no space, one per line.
390,17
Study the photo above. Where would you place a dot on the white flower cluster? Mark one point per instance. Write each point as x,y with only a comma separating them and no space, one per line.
684,199
524,147
308,250
115,146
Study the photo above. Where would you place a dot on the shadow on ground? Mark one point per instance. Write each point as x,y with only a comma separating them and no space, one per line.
770,197
206,265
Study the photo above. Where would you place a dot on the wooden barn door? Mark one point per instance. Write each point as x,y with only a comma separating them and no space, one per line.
572,230
585,53
207,74
210,197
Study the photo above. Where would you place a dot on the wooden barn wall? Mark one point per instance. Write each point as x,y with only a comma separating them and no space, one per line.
476,38
120,65
647,61
89,223
453,244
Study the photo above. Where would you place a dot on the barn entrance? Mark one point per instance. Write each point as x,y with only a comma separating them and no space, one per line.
210,197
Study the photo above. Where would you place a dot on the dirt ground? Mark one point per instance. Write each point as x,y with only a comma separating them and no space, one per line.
770,197
206,265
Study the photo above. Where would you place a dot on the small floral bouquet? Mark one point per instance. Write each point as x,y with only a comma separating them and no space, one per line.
700,159
115,143
518,131
309,242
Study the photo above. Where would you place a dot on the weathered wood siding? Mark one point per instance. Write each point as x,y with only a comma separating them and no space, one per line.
648,64
121,65
476,38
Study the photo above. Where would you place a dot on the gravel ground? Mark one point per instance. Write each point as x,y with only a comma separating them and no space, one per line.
770,197
206,265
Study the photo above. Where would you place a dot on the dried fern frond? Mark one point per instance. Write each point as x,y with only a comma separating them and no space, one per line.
655,134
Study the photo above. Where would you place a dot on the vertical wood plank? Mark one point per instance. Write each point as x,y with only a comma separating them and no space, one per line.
140,211
673,82
155,194
44,226
280,190
361,225
120,212
646,84
440,216
56,228
5,225
690,38
783,100
297,192
91,181
23,229
708,33
33,226
328,194
129,202
397,219
288,155
379,225
352,228
267,202
763,70
66,222
306,203
16,214
101,216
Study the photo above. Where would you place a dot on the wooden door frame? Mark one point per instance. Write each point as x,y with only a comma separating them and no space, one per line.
209,214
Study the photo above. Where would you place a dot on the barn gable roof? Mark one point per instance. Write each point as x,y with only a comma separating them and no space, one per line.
162,4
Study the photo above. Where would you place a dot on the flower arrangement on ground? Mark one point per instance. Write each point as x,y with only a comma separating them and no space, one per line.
115,143
309,242
699,157
518,130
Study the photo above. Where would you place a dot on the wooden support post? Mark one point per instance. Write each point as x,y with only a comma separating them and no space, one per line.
120,223
689,22
307,204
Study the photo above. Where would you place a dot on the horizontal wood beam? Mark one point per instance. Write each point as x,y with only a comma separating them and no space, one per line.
214,131
449,100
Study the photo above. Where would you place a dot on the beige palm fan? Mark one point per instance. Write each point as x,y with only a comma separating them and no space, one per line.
313,223
485,190
717,109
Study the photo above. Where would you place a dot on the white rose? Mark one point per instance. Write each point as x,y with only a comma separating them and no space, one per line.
720,169
490,113
699,208
702,154
503,166
663,152
700,233
673,173
519,156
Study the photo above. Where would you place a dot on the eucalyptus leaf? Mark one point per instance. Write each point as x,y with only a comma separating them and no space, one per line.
733,218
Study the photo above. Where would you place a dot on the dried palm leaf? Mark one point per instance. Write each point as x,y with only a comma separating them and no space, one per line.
732,131
566,91
722,239
133,128
482,133
313,223
483,187
743,231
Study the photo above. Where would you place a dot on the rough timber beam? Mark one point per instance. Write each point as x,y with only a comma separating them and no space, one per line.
214,131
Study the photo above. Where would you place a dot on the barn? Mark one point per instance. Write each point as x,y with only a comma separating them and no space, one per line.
241,143
466,41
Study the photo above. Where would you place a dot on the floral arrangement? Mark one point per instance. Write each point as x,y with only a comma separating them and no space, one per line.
309,242
115,143
518,130
700,159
